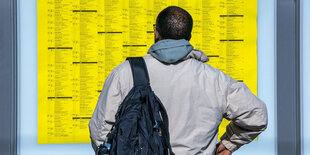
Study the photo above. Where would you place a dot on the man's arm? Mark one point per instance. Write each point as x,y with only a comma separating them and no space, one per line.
247,113
104,115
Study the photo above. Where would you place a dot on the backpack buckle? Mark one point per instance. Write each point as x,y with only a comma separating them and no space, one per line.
105,148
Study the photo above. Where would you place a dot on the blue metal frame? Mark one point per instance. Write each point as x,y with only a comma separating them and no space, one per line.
288,77
8,77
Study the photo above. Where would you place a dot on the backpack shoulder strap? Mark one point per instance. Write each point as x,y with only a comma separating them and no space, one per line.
139,71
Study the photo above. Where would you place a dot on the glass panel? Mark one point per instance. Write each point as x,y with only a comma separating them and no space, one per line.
266,143
28,91
28,85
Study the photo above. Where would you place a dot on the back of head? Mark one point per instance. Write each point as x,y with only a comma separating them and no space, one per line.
174,23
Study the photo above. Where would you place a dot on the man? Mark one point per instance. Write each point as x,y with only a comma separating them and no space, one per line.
195,95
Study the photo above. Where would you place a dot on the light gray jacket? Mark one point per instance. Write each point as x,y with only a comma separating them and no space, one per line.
196,96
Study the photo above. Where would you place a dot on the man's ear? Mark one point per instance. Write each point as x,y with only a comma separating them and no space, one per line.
157,36
156,33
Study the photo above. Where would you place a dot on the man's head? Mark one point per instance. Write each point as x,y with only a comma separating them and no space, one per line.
173,23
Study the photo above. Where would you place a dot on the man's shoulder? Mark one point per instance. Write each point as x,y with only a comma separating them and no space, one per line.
125,69
125,66
203,66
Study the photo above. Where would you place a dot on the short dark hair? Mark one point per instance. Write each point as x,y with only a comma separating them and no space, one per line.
174,23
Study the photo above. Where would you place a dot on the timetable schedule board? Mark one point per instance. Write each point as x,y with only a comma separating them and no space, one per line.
81,41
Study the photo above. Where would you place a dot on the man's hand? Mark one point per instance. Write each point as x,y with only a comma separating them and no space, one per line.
221,149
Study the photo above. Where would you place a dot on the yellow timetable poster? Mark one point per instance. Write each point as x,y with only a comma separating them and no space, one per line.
81,41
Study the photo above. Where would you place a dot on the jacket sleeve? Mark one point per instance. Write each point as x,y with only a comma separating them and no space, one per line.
104,115
247,113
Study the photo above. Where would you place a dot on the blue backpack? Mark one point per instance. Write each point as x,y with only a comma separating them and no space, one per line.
141,122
